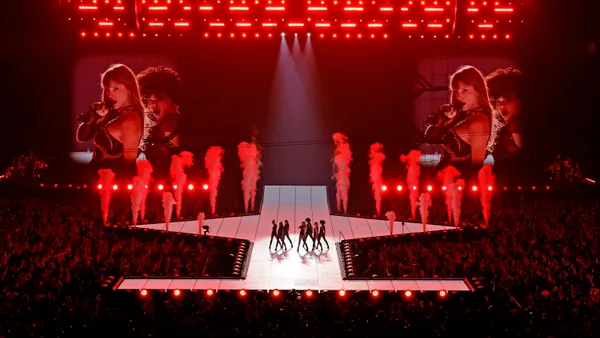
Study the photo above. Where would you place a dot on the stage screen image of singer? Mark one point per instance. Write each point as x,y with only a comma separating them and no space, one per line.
157,74
493,86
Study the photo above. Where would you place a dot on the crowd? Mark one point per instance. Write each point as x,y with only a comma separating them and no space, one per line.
539,264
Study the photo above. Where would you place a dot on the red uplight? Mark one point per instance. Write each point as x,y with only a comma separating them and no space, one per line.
144,292
414,187
407,293
210,292
129,186
547,187
161,187
490,188
399,188
443,293
459,188
276,293
474,188
176,293
375,293
533,188
115,187
429,188
444,187
243,293
99,186
190,187
309,293
205,186
384,187
342,293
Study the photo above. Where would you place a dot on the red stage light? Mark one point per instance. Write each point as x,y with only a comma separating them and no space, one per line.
161,187
99,186
375,293
407,293
474,188
115,187
384,187
444,187
414,187
190,187
342,293
443,293
243,293
210,292
176,293
205,186
459,188
276,293
129,186
309,293
490,188
547,187
144,292
399,188
429,188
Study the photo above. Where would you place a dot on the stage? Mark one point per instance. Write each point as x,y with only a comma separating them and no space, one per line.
286,270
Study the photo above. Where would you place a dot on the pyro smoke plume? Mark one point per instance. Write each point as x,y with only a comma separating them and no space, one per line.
212,163
376,158
106,181
486,182
249,155
178,164
144,171
413,171
168,203
448,175
391,217
342,158
424,204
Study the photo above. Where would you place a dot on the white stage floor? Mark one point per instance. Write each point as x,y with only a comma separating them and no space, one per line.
314,270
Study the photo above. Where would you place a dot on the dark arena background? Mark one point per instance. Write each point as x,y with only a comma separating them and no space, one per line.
351,113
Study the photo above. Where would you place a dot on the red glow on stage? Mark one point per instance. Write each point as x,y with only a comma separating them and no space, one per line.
144,292
243,293
429,188
129,186
414,187
210,292
443,293
309,293
205,186
384,187
190,187
161,187
115,187
176,293
490,188
342,293
407,293
399,188
444,187
99,186
375,293
276,293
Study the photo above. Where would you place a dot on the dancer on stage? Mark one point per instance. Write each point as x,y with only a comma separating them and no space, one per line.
302,237
273,234
463,127
115,124
321,235
309,232
280,237
286,232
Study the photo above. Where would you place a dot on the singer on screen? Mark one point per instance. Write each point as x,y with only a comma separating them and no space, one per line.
463,127
115,124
